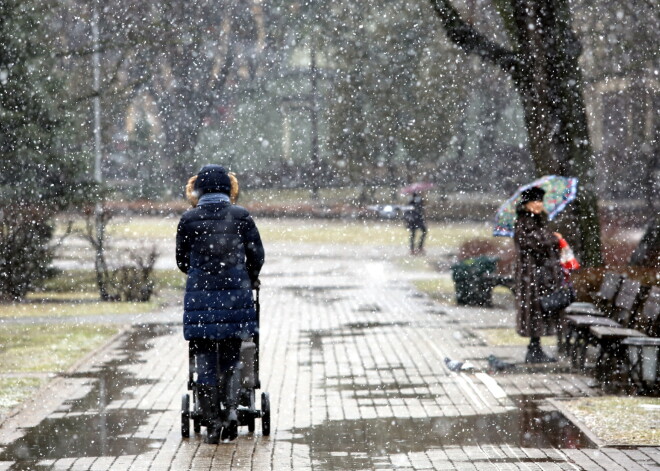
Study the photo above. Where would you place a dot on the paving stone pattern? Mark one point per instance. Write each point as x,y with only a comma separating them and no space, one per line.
352,357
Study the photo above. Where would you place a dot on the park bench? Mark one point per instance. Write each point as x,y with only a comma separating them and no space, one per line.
636,322
579,311
603,298
643,352
579,335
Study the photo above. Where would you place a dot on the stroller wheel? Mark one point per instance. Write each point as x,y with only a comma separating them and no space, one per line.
197,425
185,416
265,414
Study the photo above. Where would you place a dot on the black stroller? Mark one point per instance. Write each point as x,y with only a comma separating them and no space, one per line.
247,411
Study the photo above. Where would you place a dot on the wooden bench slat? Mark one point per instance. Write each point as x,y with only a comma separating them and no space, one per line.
579,321
603,332
642,341
585,310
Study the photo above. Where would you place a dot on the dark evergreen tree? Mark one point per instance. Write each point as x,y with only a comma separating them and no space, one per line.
36,175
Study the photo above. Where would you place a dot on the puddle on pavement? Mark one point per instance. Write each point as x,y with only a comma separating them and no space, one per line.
439,312
375,325
365,394
359,444
89,428
369,308
296,274
364,444
354,329
103,434
318,294
315,338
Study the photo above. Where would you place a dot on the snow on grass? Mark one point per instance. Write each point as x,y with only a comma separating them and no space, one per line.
48,348
620,420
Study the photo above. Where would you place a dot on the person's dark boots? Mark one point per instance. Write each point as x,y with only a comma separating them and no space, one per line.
208,403
213,432
232,390
230,425
535,354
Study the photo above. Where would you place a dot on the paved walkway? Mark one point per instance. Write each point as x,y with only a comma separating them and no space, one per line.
352,357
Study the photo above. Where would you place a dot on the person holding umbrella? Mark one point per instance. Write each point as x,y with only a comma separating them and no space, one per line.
538,271
415,217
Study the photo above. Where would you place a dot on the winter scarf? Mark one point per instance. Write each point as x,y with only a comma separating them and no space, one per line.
212,198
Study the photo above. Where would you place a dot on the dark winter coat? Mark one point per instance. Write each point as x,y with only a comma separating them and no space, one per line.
538,272
219,247
415,218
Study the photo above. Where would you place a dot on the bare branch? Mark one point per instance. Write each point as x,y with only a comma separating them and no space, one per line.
216,86
472,41
67,232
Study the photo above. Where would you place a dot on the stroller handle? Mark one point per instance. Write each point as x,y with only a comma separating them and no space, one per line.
257,304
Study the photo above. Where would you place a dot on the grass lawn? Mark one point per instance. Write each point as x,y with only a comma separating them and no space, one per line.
14,390
42,348
73,293
47,306
619,420
440,289
315,231
143,228
81,284
509,337
418,264
363,232
326,196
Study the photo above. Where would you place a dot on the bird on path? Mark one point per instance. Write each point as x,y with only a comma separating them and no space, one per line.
455,365
496,365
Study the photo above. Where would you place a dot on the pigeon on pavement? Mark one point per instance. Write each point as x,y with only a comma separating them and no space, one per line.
455,365
495,364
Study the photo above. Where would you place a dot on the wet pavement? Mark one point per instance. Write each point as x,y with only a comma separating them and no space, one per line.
87,427
352,357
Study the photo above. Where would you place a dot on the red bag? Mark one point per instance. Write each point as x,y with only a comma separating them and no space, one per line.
566,256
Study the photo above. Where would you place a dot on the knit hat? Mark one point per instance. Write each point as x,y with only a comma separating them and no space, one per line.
213,179
532,194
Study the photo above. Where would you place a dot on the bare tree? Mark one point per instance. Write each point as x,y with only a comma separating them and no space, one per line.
190,68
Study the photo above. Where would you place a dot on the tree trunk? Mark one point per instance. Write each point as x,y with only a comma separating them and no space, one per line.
392,175
573,129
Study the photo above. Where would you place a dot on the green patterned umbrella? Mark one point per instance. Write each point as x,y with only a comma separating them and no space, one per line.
559,191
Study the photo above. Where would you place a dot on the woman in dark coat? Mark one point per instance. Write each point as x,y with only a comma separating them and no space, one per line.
538,272
218,246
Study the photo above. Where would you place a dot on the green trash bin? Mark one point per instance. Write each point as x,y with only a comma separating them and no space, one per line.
473,280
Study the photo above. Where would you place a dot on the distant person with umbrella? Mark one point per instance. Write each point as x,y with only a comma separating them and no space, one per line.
415,216
416,220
